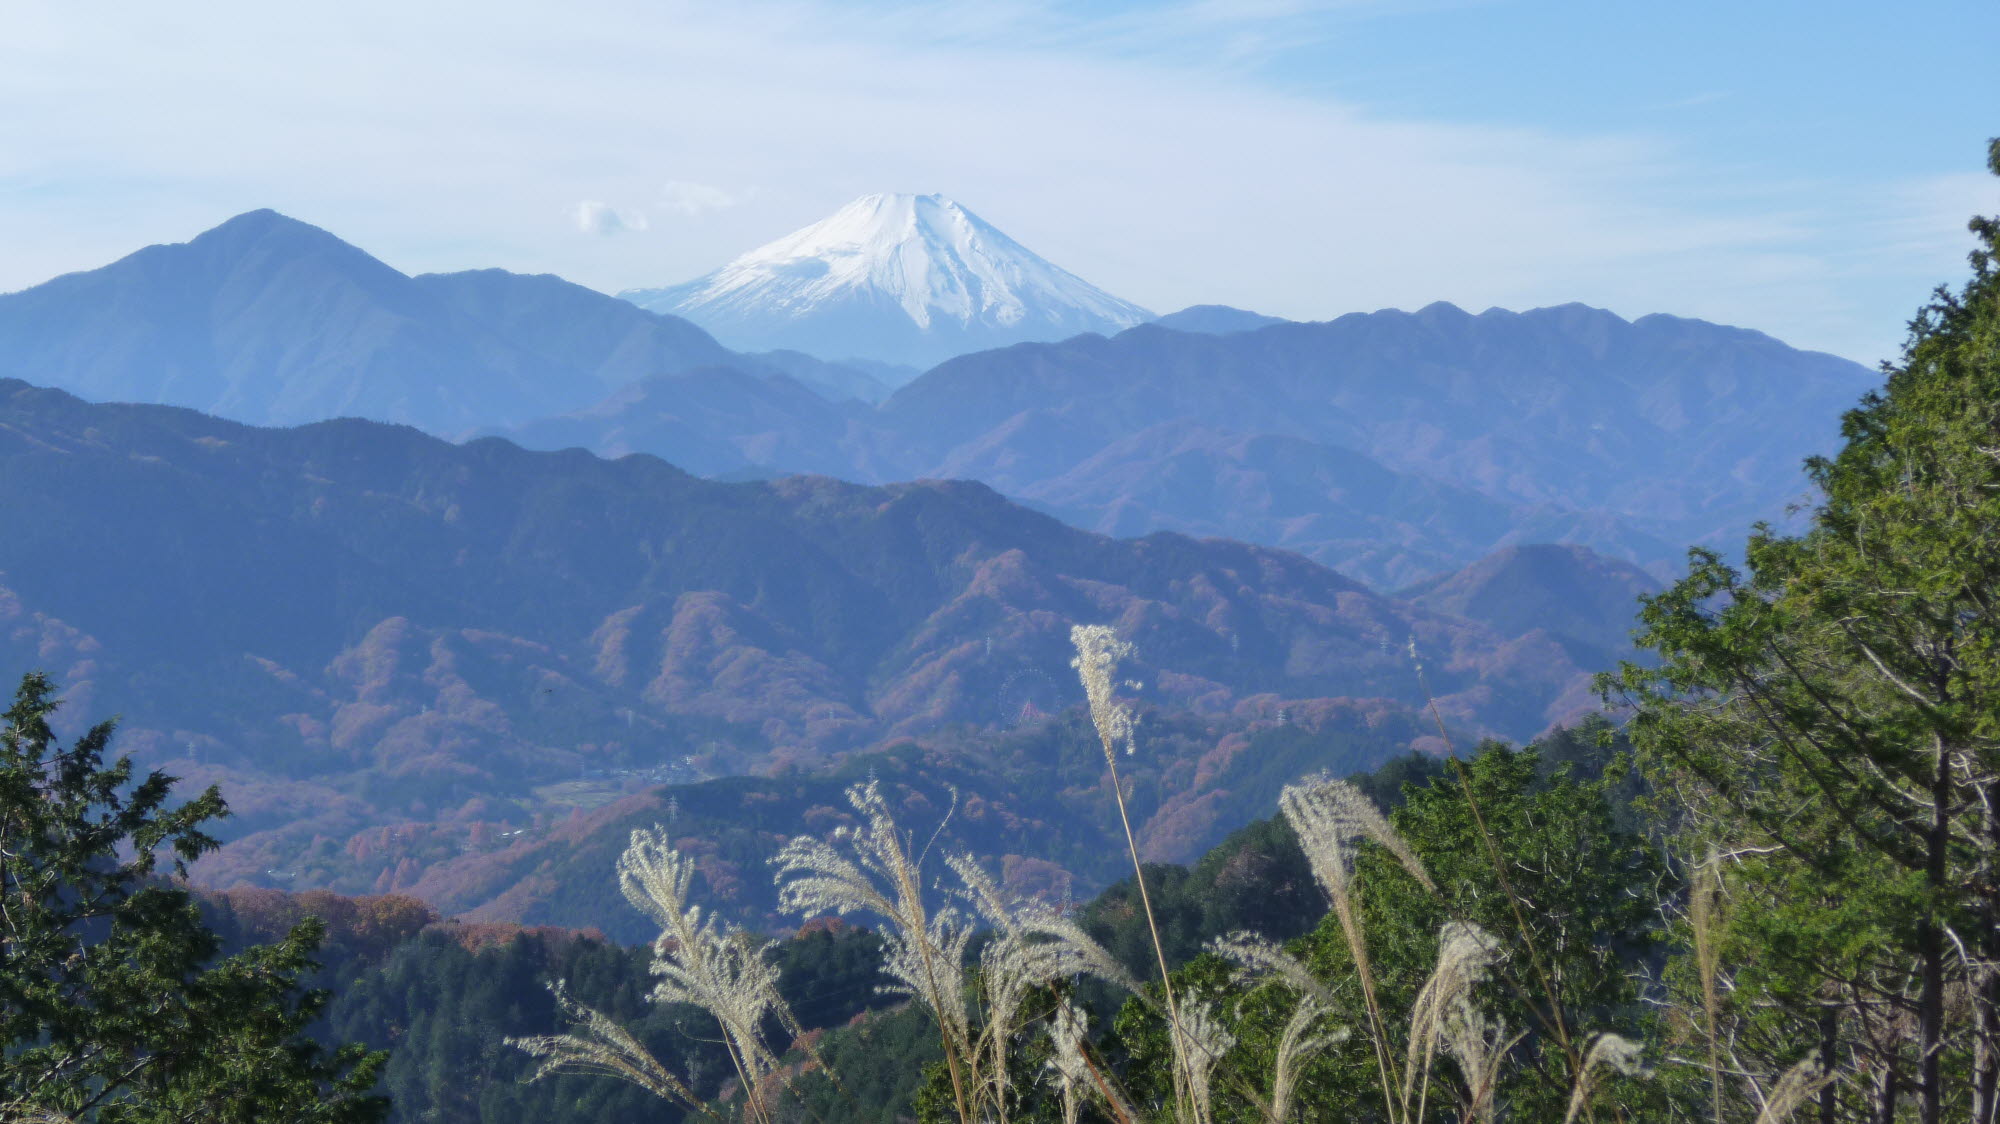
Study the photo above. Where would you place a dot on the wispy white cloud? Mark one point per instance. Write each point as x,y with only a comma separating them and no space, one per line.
602,219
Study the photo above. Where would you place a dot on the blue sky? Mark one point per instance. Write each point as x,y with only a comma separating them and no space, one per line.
1801,169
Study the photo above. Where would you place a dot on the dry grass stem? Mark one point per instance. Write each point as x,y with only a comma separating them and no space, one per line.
1446,1013
599,1046
1330,817
1098,651
1607,1053
1704,905
1798,1085
867,869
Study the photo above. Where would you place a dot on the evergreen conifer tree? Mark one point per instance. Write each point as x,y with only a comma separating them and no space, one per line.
115,1003
1827,724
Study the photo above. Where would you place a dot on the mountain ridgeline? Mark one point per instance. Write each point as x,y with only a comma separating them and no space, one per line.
1394,447
369,626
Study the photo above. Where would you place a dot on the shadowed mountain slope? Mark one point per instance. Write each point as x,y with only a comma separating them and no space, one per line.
1587,601
268,320
355,624
1393,446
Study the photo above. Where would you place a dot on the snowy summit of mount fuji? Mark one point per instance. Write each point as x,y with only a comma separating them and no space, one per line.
903,279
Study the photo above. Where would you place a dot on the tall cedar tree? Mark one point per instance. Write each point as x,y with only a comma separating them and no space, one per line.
1827,722
115,1005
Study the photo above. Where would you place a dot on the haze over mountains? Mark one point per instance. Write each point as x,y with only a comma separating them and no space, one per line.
355,624
1393,446
268,320
396,650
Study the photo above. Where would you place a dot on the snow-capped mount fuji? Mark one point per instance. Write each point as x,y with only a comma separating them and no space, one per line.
908,279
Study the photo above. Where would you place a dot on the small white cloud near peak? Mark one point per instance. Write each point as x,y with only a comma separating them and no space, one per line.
602,219
695,198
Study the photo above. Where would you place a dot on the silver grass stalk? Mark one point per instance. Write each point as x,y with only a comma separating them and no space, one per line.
1330,817
1098,651
1299,1044
1075,1074
867,869
1258,957
1067,1065
598,1046
1608,1052
1798,1085
699,961
1704,900
1032,946
1203,1041
1444,1012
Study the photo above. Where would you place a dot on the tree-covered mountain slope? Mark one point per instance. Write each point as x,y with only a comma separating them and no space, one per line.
359,626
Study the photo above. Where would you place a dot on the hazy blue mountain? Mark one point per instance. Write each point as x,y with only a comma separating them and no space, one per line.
355,624
906,279
1216,320
1325,502
1390,445
266,319
715,421
832,381
1583,599
1682,428
1470,432
576,329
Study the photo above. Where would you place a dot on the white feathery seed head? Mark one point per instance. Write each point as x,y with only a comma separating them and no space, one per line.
867,868
1330,817
1032,946
1202,1039
1098,651
1446,1012
1067,1066
1299,1044
1257,956
597,1045
1608,1052
716,967
1798,1085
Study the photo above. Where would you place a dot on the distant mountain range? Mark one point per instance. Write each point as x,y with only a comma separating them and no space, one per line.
1216,320
355,625
1392,446
908,279
268,320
